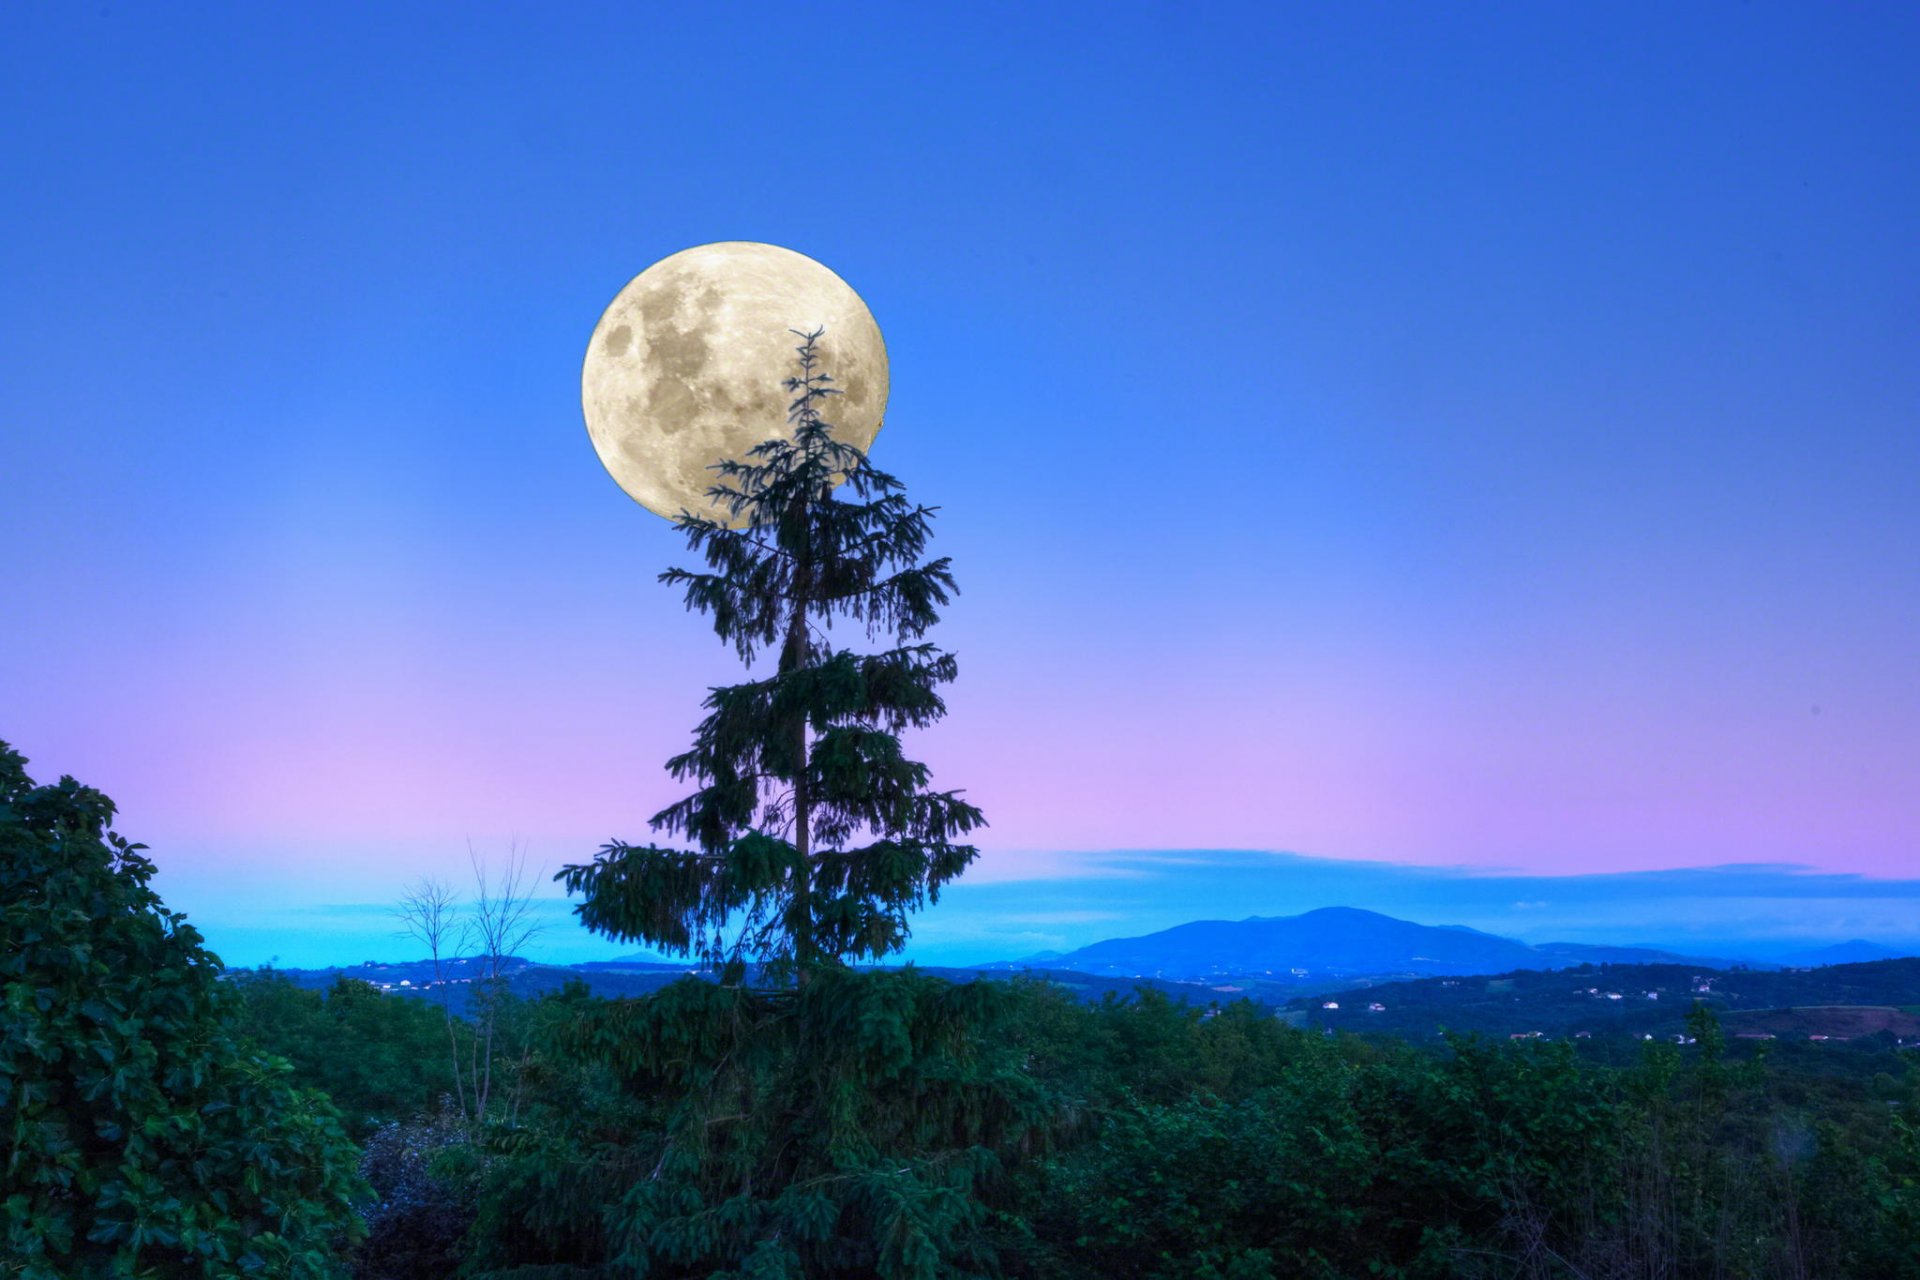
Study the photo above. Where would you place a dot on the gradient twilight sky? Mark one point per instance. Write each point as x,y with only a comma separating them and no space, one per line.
1475,448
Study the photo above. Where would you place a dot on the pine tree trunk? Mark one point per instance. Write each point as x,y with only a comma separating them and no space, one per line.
803,942
794,660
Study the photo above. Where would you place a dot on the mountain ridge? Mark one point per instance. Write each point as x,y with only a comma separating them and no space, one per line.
1268,957
1333,942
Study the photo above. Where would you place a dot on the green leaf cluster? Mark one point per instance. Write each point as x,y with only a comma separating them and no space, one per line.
714,1130
380,1058
863,1124
143,1134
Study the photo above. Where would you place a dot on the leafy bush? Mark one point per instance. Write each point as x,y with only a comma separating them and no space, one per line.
858,1126
380,1058
145,1136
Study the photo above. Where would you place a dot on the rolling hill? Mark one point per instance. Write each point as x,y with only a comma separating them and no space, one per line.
1333,943
1838,1001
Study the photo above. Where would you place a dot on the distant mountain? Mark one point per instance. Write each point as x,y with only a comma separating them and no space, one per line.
1575,953
1854,952
1270,959
1333,942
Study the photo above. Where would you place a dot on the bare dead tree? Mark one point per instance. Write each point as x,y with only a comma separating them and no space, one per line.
427,912
503,924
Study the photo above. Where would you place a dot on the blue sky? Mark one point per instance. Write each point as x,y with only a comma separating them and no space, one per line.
1396,434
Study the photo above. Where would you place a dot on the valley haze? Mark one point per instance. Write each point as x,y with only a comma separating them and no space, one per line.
1327,945
1028,904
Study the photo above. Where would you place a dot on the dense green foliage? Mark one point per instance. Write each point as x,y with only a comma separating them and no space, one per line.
1340,1158
881,1124
1143,1138
144,1136
378,1058
814,835
861,1125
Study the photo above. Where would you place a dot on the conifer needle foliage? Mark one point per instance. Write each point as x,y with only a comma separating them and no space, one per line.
813,835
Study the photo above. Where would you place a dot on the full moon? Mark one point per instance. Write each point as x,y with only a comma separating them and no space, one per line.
687,365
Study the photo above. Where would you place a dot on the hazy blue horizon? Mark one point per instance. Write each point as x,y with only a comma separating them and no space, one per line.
1735,912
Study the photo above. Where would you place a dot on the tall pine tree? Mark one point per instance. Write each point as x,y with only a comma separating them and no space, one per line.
819,1121
813,834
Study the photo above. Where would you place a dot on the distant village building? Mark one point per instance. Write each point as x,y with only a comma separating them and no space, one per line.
1376,1007
1331,1004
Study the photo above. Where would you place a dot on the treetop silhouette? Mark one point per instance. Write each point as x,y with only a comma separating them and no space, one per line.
814,835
